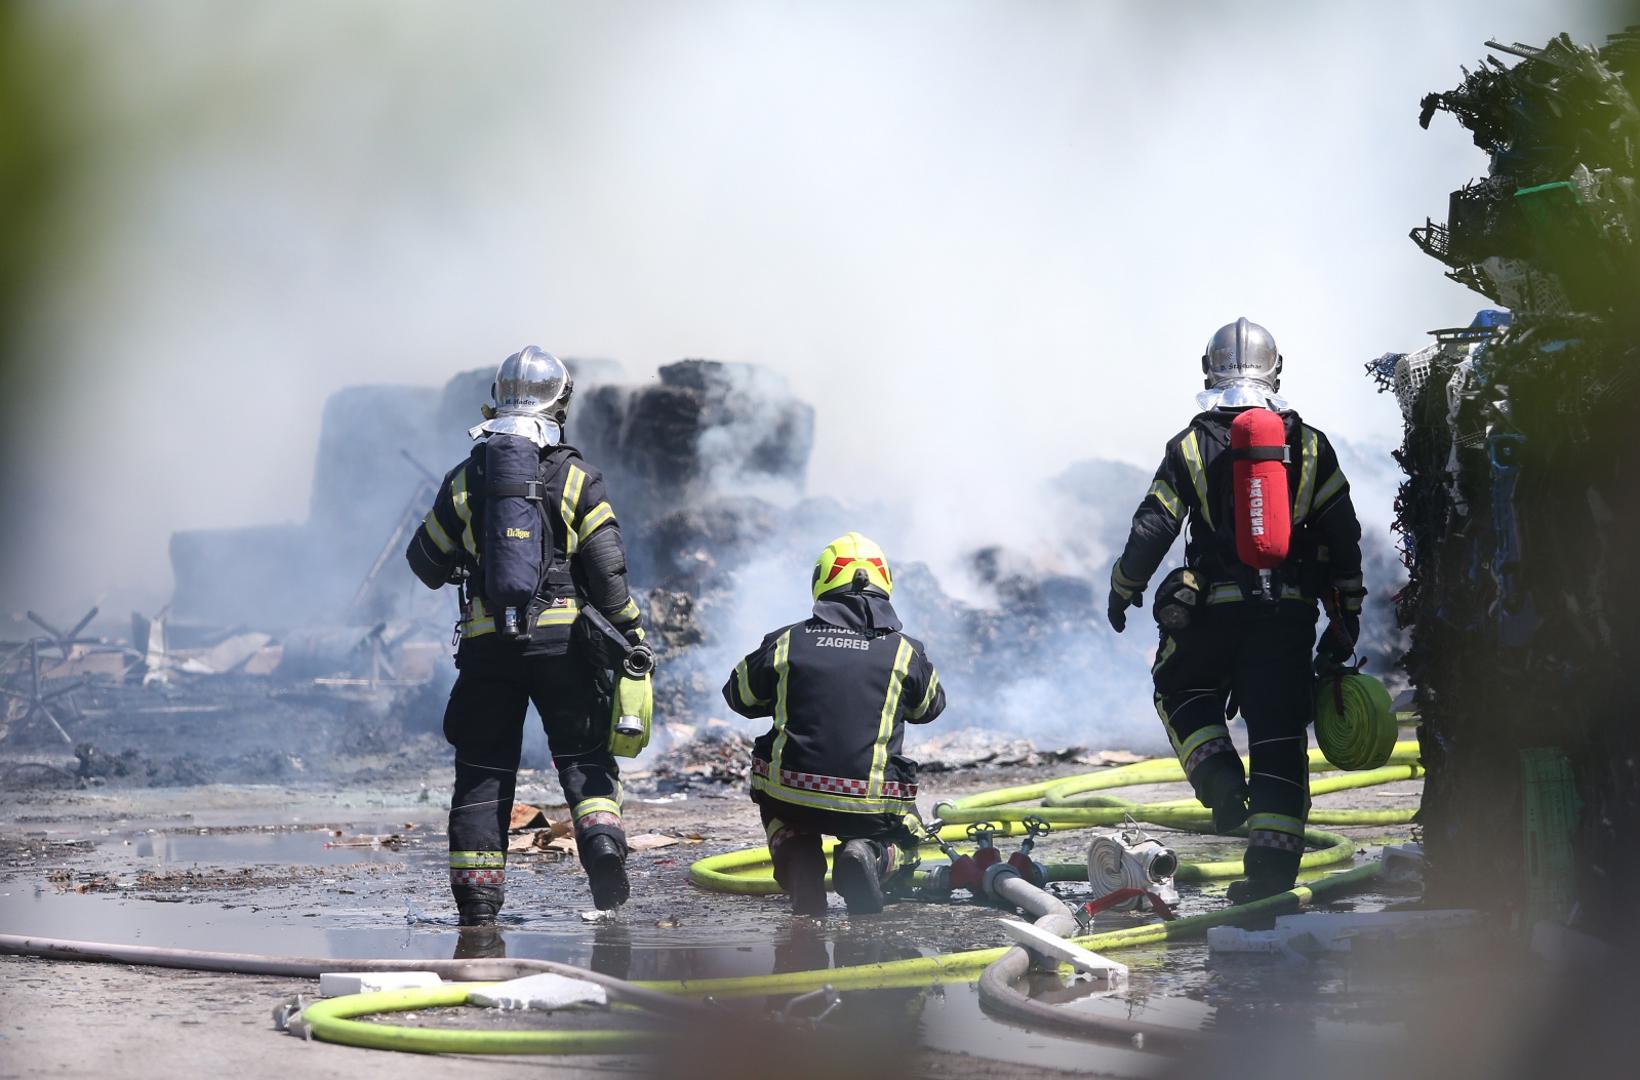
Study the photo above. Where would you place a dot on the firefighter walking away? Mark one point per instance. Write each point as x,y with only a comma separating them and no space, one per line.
840,687
525,529
1272,530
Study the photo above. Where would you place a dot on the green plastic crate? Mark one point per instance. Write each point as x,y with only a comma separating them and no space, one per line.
1552,806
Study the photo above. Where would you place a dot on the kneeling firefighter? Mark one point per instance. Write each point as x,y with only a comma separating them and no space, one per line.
841,687
524,527
1272,530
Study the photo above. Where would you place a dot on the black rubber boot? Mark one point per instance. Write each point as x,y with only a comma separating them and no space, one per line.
606,870
477,913
800,869
856,869
1226,796
1247,890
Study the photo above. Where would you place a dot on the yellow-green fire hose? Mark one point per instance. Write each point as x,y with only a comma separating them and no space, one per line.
748,872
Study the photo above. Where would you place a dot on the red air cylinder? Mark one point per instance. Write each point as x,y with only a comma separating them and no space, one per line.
1258,452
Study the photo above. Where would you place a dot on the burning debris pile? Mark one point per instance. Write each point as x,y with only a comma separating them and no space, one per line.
1520,483
310,652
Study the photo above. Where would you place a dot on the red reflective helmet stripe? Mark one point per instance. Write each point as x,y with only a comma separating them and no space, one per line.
842,561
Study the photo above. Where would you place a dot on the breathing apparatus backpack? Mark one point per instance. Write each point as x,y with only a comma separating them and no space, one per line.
1261,513
1263,505
518,552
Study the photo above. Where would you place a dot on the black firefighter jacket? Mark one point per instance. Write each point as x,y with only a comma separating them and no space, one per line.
587,562
1195,481
841,687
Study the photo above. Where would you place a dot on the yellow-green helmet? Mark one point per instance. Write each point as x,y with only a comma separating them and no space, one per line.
845,559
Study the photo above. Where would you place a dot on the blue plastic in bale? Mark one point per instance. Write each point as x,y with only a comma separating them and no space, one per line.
512,529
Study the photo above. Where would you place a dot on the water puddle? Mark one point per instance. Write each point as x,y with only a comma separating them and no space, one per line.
311,847
306,895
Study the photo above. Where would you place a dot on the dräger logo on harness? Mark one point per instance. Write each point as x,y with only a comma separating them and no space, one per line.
518,534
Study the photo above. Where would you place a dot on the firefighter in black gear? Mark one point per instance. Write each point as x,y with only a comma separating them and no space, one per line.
504,666
1228,642
840,687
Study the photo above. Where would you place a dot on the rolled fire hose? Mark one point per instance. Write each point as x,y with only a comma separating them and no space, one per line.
1141,868
1354,721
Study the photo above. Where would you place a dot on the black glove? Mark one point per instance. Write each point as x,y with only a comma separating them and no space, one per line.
1116,610
1337,645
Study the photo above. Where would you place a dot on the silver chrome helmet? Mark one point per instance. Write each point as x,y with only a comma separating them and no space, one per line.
531,397
1242,367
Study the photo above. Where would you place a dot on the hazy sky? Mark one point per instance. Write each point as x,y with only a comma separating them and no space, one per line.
985,240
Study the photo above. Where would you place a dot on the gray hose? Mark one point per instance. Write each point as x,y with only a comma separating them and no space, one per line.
1000,997
1030,899
311,967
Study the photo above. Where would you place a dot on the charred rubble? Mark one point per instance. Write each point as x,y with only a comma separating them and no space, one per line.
305,651
1520,489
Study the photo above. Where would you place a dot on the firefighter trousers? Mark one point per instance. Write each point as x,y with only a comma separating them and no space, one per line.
1254,658
484,721
795,833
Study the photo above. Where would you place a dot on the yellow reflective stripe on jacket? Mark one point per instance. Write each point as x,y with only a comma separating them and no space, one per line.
782,670
1306,477
1121,584
1190,446
458,499
1334,484
928,696
848,804
1166,496
481,623
478,860
436,533
595,517
1282,823
885,722
743,686
596,806
566,507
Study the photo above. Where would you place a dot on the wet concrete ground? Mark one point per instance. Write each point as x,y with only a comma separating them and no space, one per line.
256,869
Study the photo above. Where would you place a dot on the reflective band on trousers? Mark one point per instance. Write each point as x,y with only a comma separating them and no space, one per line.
1285,823
1269,838
1199,740
478,860
596,807
477,877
